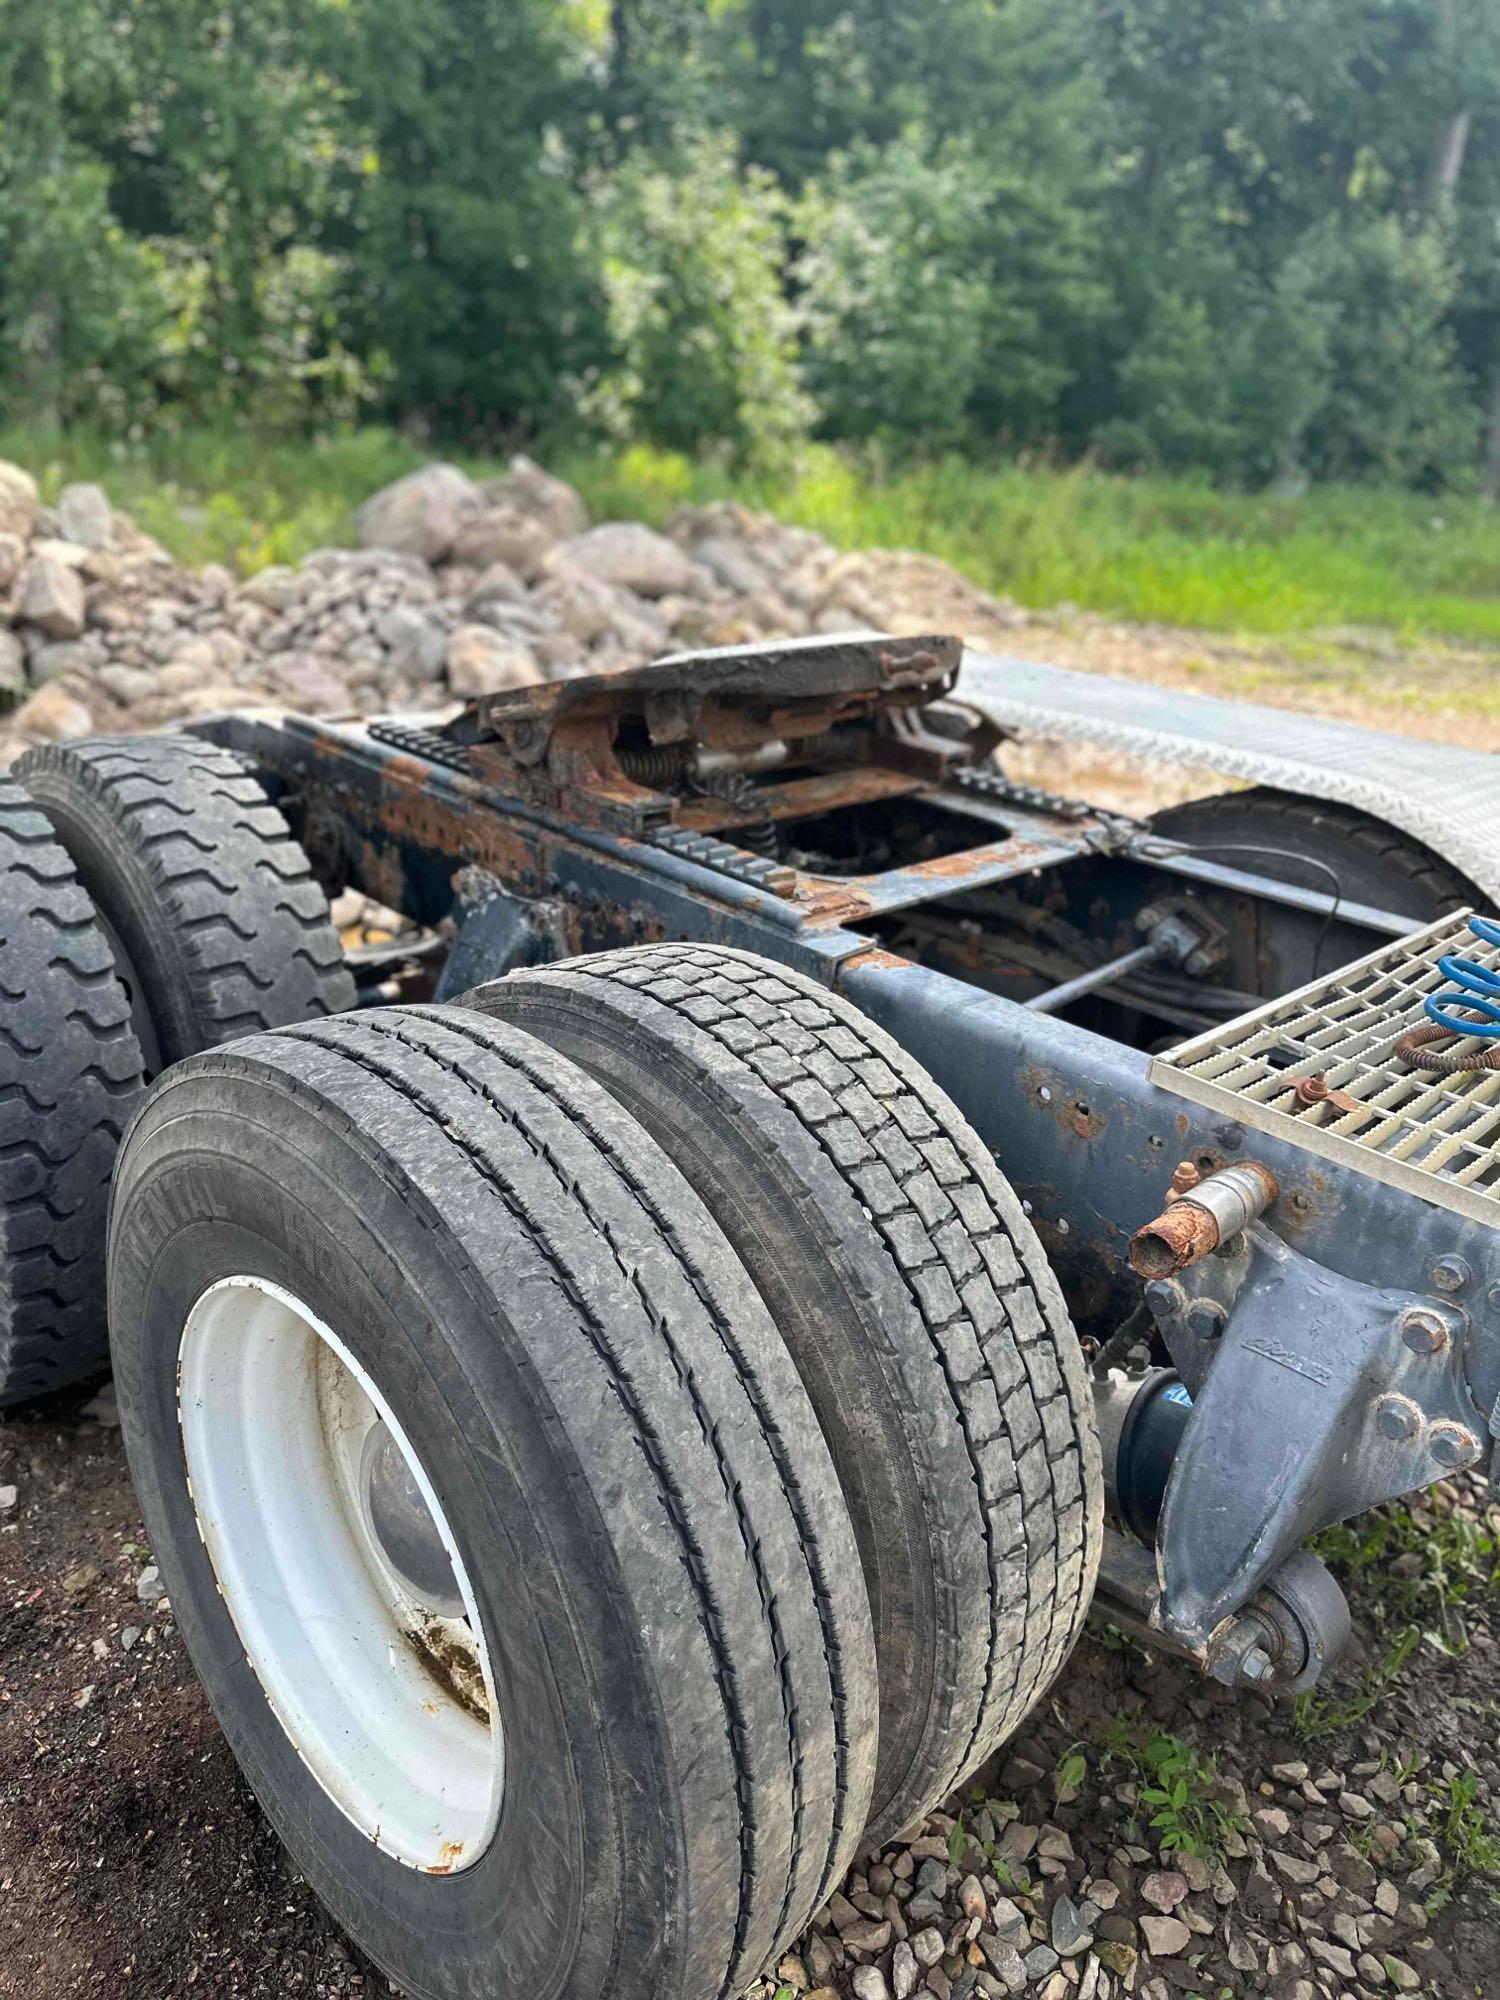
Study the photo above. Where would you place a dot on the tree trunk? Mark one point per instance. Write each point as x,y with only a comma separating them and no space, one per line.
1453,139
1448,156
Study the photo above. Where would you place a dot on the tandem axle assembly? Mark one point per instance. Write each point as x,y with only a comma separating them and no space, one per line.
668,1344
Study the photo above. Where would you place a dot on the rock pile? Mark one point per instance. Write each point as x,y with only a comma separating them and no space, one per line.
458,588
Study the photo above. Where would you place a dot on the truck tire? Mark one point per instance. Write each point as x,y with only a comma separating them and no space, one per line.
217,925
1373,862
646,1539
916,1301
70,1074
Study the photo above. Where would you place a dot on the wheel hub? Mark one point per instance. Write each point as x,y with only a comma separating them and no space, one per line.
341,1573
401,1523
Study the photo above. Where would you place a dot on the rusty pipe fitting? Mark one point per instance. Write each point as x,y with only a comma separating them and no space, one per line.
1194,1223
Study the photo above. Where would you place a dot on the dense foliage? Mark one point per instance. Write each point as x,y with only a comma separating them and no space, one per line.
1260,239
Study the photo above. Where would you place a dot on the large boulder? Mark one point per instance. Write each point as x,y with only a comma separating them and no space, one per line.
18,500
83,515
632,557
502,535
415,640
59,660
580,603
129,686
53,715
498,585
733,564
52,598
483,662
419,515
552,501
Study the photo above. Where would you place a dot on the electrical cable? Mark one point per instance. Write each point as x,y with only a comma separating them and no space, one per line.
1279,854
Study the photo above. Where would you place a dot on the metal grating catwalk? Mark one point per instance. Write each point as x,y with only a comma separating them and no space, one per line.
1437,1136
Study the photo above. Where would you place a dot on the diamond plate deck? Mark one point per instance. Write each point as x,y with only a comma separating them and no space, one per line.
1437,1136
1446,797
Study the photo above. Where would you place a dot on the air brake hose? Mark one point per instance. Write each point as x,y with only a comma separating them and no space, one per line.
1476,991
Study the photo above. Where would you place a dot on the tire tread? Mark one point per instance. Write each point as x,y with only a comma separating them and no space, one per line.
70,1075
980,1342
250,937
592,1194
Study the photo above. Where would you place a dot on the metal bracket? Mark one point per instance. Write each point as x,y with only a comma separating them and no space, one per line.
497,932
1314,1397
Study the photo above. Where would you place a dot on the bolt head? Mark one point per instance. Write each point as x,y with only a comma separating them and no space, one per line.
1396,1418
1164,1297
1256,1665
1452,1445
1206,1319
1423,1330
1449,1274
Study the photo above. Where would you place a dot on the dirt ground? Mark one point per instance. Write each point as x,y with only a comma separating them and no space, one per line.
134,1864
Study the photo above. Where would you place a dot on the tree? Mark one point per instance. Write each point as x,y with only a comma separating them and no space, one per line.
76,299
466,221
694,249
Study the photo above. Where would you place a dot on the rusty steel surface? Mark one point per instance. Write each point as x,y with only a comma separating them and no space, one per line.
1174,1241
670,692
802,798
1204,1209
403,826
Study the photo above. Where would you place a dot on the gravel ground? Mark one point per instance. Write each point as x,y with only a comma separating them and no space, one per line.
1337,1848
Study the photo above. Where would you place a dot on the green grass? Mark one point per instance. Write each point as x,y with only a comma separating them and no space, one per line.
1168,551
1182,1809
225,496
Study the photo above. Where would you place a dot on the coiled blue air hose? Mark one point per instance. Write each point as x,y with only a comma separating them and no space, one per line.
1468,1008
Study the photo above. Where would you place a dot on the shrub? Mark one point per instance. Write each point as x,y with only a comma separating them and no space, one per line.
692,248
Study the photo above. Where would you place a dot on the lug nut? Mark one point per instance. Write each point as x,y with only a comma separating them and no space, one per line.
1423,1330
1452,1445
1396,1418
1256,1665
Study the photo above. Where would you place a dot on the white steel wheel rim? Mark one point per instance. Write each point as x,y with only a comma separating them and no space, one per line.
383,1687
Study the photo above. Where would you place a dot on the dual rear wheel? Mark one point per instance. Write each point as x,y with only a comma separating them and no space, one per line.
614,1449
152,903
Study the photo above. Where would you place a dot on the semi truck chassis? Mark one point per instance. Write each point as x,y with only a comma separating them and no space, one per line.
1275,1237
578,830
